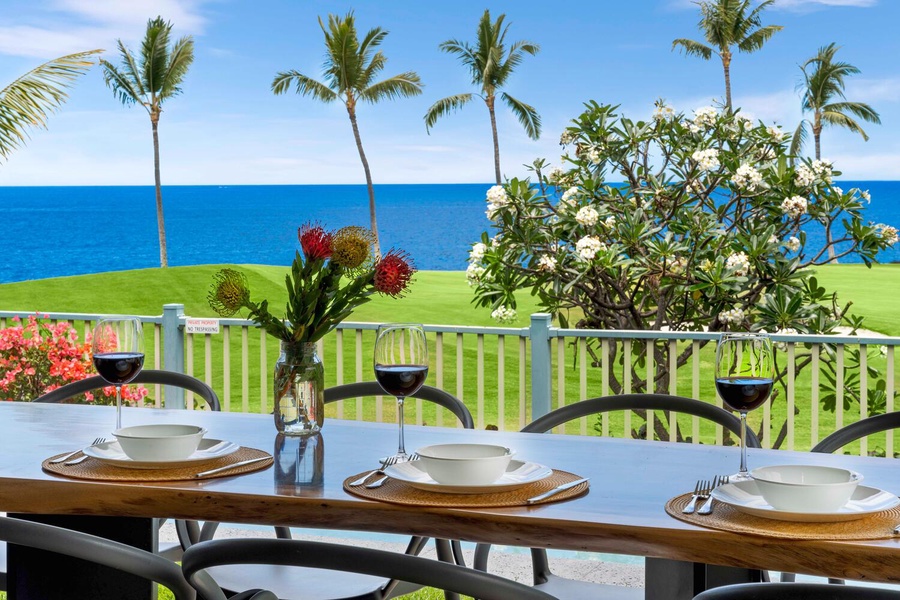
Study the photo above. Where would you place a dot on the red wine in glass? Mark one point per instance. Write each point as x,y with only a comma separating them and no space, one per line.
744,393
400,380
119,368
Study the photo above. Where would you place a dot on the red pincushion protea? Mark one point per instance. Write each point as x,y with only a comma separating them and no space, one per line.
393,273
315,242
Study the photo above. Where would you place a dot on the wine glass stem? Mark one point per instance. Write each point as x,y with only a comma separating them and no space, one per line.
743,470
118,407
401,451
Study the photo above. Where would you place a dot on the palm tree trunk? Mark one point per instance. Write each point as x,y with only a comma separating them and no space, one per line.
490,104
160,221
726,66
817,136
365,163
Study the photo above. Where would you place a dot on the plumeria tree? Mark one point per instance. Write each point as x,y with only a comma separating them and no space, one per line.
677,223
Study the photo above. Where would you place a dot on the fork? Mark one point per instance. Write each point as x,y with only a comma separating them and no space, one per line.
393,460
706,509
390,460
80,459
701,492
71,454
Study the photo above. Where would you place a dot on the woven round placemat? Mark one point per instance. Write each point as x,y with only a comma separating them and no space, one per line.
398,492
728,518
96,470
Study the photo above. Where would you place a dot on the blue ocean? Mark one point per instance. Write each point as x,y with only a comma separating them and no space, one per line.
59,231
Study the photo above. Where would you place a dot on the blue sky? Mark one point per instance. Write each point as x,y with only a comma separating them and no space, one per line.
228,127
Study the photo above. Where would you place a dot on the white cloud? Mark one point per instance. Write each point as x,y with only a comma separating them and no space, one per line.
811,4
873,91
861,166
183,13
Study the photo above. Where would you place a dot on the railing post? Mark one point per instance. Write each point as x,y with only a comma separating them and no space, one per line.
173,350
540,364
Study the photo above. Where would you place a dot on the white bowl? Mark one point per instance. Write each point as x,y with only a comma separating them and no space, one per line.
159,443
806,488
465,464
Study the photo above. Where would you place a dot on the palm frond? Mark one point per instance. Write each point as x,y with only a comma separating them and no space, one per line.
841,120
155,55
445,106
31,98
758,38
180,59
526,114
801,134
305,86
375,66
693,48
399,86
860,109
122,86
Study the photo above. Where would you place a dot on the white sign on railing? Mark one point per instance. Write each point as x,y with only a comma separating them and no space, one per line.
201,325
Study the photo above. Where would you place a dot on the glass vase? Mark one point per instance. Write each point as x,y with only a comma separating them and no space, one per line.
299,390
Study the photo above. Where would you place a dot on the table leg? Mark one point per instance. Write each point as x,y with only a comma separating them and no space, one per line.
39,575
679,580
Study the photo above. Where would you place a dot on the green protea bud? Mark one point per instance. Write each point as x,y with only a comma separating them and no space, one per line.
229,292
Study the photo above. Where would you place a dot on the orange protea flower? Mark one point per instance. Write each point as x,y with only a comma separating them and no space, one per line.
393,273
315,241
351,246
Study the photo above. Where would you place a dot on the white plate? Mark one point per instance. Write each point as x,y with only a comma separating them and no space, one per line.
518,474
745,497
111,453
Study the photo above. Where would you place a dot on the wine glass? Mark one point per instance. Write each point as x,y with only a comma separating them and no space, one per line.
118,351
745,372
401,366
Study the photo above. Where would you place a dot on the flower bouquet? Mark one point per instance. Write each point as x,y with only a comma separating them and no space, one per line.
333,273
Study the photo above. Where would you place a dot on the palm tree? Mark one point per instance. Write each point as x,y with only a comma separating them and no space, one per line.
490,65
350,67
149,80
823,83
29,100
725,24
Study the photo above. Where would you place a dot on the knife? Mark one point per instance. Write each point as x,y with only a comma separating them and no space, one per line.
556,490
232,466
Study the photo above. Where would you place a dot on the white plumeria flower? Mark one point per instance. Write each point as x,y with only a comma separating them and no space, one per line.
735,316
594,156
504,314
865,195
569,197
497,195
775,133
888,233
706,116
555,174
804,176
739,263
793,244
567,137
588,247
794,207
822,168
663,112
477,252
786,331
707,159
546,263
696,187
610,222
474,274
747,177
677,265
587,216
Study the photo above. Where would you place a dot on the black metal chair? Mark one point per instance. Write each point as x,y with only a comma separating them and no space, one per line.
349,586
544,578
188,531
796,591
347,559
97,550
149,376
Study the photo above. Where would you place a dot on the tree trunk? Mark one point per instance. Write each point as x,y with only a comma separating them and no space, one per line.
726,66
490,104
160,221
351,110
817,137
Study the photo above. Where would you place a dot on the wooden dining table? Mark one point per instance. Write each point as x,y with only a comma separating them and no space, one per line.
623,512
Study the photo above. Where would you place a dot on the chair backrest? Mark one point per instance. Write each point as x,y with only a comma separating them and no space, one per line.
796,591
97,550
431,394
338,557
664,402
148,376
855,431
593,406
